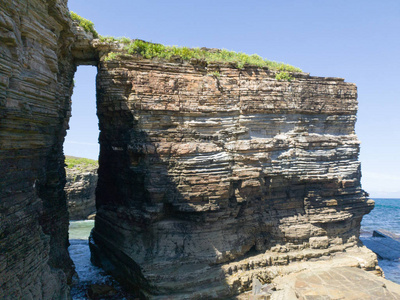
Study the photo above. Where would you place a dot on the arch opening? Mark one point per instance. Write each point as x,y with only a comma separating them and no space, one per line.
81,150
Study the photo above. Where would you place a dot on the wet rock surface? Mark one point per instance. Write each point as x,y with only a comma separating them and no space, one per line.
385,244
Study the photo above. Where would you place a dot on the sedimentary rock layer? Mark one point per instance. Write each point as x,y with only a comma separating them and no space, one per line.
321,281
205,167
36,79
80,187
209,175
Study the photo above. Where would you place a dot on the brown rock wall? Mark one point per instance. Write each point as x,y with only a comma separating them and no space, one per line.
200,171
36,75
208,176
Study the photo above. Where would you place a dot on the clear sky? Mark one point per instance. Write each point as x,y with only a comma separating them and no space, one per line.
358,40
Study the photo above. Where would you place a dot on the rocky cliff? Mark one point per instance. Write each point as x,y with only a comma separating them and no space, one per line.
36,73
206,181
210,175
80,187
37,66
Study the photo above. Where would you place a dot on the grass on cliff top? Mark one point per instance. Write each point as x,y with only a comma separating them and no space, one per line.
80,163
239,59
111,39
87,25
153,50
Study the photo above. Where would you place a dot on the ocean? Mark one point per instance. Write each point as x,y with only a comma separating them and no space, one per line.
88,274
386,215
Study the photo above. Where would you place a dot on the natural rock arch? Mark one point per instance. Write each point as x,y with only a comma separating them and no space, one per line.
218,175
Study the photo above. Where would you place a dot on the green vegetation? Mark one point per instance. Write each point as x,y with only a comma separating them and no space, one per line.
111,39
215,74
283,76
80,163
239,59
87,25
152,50
111,56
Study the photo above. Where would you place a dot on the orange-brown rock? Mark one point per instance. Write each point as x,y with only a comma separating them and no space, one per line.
205,177
206,181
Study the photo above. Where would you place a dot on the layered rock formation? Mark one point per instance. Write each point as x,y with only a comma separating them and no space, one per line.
36,79
209,175
337,276
333,283
36,73
206,181
80,190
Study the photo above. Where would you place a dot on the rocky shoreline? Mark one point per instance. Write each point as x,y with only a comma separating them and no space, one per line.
206,182
212,175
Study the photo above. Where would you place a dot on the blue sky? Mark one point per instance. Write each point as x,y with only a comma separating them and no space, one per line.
357,40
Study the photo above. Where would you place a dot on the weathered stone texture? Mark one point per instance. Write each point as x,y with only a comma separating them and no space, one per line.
205,181
199,173
80,191
36,73
329,283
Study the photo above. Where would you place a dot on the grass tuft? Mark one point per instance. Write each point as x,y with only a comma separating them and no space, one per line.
239,59
111,39
111,56
215,74
87,25
283,76
80,163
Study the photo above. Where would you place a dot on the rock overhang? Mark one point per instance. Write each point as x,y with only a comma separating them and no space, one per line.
220,170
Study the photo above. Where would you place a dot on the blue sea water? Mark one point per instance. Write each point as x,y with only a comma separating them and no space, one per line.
385,215
88,274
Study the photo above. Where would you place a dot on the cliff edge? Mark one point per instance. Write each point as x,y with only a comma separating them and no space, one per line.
211,172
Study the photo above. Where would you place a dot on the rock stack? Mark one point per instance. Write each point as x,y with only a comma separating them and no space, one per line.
210,175
207,181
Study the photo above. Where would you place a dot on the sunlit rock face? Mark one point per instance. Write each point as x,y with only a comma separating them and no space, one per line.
208,173
80,191
80,187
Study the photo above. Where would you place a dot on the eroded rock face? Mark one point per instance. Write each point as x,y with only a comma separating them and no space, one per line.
80,191
36,79
205,181
204,178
